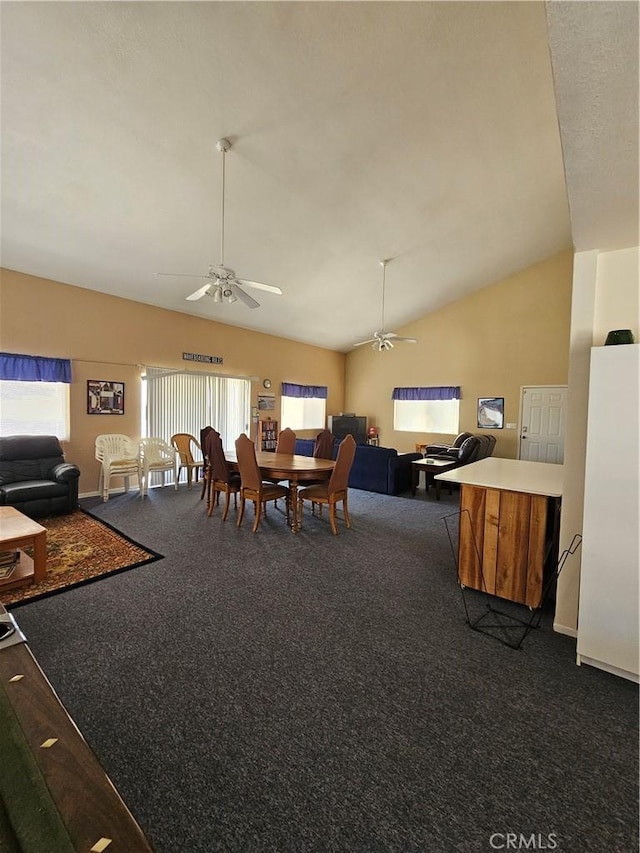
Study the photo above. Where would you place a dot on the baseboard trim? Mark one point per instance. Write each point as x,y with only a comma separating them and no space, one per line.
564,629
606,667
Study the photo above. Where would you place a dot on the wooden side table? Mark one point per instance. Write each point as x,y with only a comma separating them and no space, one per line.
17,531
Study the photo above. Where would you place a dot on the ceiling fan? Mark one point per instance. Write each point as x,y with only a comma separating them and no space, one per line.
222,283
383,341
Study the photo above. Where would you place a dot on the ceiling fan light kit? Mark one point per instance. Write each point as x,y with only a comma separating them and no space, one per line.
382,341
222,283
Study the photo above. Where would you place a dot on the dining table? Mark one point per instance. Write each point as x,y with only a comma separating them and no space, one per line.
290,467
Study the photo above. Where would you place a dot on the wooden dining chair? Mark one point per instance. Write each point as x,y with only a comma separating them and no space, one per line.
204,432
334,490
219,478
286,442
183,442
323,445
252,486
322,449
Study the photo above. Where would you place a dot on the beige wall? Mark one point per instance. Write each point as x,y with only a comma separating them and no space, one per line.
510,334
108,338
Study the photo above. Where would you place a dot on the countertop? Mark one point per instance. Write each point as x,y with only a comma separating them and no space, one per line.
512,475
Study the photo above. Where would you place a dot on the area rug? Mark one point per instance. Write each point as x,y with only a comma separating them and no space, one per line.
80,549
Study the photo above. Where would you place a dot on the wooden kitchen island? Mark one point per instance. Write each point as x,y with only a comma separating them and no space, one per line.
509,523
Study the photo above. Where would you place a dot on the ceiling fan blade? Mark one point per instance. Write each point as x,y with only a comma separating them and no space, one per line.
244,297
362,343
405,340
182,275
199,293
269,288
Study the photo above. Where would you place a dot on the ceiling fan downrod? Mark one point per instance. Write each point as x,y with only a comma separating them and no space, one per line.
383,264
223,145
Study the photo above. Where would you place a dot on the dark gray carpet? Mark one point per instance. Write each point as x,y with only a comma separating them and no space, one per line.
285,693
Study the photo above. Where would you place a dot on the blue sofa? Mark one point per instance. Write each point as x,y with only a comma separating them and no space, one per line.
374,469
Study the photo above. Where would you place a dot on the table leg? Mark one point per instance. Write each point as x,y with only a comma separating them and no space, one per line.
293,506
40,556
415,477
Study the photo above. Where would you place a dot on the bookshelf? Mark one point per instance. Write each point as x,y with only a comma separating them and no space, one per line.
267,435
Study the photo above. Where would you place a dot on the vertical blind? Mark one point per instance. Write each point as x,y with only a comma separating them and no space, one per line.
178,401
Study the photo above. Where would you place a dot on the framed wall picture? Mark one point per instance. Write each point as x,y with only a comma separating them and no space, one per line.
105,398
266,402
490,412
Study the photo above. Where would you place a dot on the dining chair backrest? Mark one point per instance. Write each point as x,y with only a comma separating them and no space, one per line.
204,432
217,460
115,446
286,442
339,480
247,463
323,446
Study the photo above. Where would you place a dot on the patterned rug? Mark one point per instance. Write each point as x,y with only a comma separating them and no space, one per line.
80,549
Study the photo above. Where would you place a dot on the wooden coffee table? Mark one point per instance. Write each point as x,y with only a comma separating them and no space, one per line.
18,531
431,467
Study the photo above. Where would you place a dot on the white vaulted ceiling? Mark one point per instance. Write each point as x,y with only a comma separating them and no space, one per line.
425,132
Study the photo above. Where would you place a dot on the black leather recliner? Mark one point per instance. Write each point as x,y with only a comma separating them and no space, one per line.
34,477
448,449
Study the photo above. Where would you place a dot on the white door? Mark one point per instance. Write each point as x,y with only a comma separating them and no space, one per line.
542,423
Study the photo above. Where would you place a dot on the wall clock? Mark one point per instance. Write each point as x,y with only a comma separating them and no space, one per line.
267,383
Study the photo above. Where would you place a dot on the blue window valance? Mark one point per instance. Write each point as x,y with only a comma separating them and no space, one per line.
447,392
34,368
291,390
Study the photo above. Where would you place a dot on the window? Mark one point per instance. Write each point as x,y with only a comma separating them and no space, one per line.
34,408
434,410
34,395
303,406
301,413
426,415
178,401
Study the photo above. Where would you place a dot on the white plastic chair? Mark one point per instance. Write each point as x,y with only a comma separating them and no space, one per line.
118,456
156,455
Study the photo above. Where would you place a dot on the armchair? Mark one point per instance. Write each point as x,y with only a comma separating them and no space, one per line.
118,456
183,442
467,452
449,449
156,455
34,477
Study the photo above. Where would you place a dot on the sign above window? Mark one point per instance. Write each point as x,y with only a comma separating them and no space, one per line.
207,359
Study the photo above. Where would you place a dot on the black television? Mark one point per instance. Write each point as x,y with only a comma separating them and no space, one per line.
355,425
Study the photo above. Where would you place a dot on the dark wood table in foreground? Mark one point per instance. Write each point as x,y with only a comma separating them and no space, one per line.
431,467
294,469
94,814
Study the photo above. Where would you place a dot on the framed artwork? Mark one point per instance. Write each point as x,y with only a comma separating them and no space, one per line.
490,412
105,398
266,402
